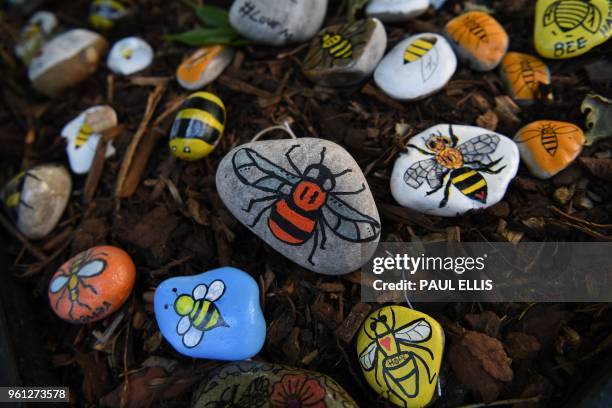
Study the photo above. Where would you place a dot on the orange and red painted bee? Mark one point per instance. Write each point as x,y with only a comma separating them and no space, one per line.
304,203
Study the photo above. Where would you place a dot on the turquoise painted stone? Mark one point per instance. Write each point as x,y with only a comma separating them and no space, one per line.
214,315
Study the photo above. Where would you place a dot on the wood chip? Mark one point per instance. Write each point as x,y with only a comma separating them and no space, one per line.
349,326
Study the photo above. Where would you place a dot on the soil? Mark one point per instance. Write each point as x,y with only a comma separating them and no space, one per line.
174,223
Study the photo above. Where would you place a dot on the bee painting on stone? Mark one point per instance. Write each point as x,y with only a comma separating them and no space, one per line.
396,356
304,204
568,15
338,45
11,194
548,134
527,75
460,165
423,51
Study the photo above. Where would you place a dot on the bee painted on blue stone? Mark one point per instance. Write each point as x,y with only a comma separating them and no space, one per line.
198,126
104,13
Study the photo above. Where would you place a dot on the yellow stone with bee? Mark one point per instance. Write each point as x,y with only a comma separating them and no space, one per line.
198,126
400,353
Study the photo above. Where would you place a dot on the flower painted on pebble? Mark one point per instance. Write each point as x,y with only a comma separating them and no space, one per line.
298,390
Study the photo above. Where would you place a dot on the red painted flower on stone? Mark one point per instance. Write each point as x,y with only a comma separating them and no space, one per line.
298,391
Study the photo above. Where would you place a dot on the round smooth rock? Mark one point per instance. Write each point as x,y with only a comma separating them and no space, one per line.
277,23
37,198
130,55
569,28
451,169
400,352
259,384
92,285
345,54
204,66
549,146
66,60
307,198
523,76
478,39
83,134
38,30
198,126
598,122
214,315
416,67
391,11
104,13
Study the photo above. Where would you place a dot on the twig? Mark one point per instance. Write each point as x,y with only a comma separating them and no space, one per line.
97,165
238,85
22,238
503,402
579,220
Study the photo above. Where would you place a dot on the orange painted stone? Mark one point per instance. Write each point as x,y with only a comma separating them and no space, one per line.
92,284
478,39
548,146
523,76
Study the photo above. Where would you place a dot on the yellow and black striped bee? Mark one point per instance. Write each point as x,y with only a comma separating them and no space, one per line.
422,49
104,13
84,134
198,126
463,163
11,193
570,14
199,312
549,134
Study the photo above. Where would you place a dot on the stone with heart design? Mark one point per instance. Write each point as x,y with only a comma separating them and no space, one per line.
269,385
92,285
345,54
416,67
450,169
549,146
36,199
478,39
307,198
400,353
214,315
569,28
277,23
130,55
204,66
391,11
525,77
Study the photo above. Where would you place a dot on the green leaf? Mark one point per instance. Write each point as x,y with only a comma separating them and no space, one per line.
208,36
210,15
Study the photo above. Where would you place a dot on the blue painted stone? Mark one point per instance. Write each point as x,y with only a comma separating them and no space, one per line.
214,315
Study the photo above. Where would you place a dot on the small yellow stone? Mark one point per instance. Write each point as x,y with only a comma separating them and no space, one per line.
569,28
400,353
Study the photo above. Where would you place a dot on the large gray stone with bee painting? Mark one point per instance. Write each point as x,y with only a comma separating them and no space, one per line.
450,169
276,22
307,198
416,67
345,54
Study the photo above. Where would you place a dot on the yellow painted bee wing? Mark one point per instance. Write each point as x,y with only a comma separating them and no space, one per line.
592,21
549,14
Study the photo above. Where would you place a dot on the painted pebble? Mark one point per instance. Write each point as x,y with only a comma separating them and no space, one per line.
478,39
391,11
129,55
525,77
599,118
276,23
259,384
450,169
307,198
548,146
37,198
204,66
92,285
66,60
38,31
569,28
214,315
83,133
198,126
416,67
104,13
345,54
400,353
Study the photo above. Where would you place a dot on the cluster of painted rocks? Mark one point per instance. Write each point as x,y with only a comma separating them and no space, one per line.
129,55
204,66
92,285
307,198
39,29
400,353
36,199
448,170
252,383
213,315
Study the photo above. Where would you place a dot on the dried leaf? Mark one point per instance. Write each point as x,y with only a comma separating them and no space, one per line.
601,168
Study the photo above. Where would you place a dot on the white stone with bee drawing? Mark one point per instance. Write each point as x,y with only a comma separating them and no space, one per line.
307,198
416,67
391,11
83,133
39,29
448,170
129,55
277,23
